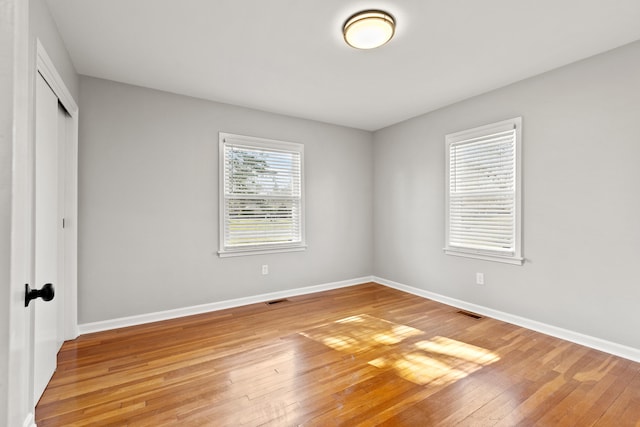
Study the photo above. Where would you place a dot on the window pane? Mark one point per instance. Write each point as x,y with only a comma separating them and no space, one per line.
262,194
482,191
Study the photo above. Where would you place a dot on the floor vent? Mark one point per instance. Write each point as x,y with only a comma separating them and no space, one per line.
276,301
469,314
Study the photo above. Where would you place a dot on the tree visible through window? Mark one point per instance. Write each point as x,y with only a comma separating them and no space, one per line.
261,195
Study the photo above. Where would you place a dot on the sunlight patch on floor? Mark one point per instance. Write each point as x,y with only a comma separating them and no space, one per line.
438,360
360,333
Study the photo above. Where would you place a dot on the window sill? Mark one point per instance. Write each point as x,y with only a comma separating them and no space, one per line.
261,251
486,257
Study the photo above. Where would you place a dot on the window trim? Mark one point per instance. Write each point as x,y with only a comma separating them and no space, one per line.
257,143
516,258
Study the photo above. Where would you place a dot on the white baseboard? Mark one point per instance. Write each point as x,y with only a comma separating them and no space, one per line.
29,421
565,334
123,322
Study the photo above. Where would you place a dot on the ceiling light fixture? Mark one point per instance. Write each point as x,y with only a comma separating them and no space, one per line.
369,29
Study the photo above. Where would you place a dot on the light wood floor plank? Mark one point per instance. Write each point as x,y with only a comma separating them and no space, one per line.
365,355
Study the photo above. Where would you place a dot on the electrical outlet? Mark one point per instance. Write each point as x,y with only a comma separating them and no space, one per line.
265,269
479,278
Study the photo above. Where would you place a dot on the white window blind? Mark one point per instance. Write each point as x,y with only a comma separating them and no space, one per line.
261,195
483,192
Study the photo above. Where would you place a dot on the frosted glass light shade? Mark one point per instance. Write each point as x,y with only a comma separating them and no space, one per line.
369,29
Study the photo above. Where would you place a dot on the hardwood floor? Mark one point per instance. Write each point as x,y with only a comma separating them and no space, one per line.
359,356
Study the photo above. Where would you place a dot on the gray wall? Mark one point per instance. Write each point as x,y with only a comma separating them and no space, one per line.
149,203
148,213
581,199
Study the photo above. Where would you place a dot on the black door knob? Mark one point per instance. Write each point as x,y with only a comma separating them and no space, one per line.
46,293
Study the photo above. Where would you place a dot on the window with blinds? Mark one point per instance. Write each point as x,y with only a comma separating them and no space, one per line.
261,195
483,192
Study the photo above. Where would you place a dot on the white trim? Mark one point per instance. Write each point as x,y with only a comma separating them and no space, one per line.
256,143
554,331
46,68
495,258
267,250
15,388
480,132
123,322
29,421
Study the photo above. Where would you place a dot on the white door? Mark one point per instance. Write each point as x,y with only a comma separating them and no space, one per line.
47,234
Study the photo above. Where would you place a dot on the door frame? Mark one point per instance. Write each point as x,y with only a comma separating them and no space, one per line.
69,273
45,67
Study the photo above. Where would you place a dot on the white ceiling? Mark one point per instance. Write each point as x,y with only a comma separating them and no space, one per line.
288,56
